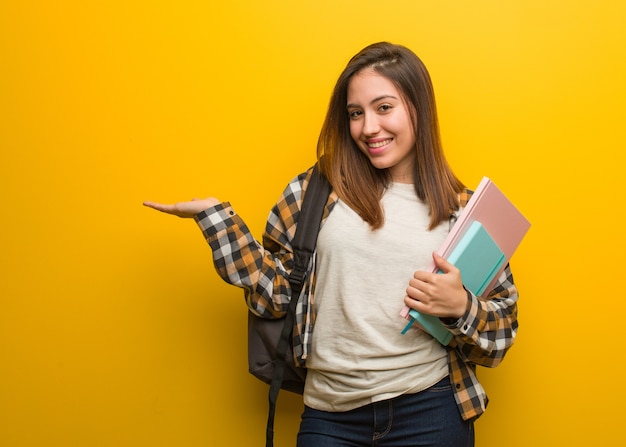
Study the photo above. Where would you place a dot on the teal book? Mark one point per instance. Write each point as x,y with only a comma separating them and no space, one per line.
479,259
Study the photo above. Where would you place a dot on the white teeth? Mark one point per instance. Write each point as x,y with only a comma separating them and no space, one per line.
379,144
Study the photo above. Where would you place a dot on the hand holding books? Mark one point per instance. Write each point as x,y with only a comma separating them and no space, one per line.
440,293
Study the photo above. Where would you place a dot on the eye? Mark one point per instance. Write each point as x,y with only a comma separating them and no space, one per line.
385,107
355,114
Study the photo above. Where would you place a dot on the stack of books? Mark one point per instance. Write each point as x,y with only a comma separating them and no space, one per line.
480,244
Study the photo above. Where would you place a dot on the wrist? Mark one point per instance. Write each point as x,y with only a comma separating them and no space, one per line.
462,309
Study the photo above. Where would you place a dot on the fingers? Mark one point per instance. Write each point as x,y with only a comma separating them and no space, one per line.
419,290
165,208
439,294
154,205
177,209
184,209
421,302
414,303
442,264
427,291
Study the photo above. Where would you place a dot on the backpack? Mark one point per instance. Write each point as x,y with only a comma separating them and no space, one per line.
270,348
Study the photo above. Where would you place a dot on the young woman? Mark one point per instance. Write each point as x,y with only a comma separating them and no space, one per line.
393,202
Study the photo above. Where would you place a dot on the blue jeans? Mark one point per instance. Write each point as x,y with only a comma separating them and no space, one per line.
429,418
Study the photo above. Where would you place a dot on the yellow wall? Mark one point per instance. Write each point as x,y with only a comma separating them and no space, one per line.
114,328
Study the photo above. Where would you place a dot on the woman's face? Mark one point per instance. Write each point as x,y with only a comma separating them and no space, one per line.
380,124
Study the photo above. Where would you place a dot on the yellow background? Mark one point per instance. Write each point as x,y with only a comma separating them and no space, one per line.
114,328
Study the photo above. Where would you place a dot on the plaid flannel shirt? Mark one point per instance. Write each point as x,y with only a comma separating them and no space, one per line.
481,337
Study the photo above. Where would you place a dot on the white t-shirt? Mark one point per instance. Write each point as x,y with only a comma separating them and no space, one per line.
358,354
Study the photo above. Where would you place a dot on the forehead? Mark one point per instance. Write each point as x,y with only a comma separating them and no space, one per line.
368,85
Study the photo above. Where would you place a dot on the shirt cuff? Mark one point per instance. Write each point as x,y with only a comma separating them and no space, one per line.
215,219
461,324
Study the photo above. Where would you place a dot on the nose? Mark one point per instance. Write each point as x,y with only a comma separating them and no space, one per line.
371,125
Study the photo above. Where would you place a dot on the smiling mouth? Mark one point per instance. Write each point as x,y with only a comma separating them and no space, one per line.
377,144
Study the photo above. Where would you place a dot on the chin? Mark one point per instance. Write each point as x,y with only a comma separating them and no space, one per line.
380,164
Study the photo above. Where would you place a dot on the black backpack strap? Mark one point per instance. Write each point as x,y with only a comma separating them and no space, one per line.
307,229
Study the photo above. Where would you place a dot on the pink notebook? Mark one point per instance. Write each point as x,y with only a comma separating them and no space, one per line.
505,224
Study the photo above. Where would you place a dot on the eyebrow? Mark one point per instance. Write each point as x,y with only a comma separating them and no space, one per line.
375,100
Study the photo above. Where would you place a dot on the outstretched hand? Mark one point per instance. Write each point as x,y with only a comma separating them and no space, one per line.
439,294
184,209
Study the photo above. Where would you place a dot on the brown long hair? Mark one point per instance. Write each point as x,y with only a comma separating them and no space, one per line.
350,172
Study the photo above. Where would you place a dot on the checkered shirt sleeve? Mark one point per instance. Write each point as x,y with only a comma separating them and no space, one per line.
261,270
